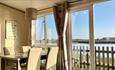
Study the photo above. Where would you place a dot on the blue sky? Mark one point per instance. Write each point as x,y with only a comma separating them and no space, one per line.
80,24
104,19
104,23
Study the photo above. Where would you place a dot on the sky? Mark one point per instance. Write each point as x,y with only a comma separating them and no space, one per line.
80,21
104,23
104,19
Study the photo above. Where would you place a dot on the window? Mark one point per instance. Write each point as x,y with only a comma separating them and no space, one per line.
51,30
80,37
104,20
45,31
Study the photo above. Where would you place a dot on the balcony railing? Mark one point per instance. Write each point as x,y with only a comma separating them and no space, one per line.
104,54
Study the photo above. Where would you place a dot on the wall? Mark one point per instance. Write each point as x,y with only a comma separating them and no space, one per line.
7,13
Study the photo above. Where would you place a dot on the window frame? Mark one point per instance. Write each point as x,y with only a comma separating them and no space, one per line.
88,7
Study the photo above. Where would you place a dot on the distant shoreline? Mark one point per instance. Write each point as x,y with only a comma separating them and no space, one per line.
96,41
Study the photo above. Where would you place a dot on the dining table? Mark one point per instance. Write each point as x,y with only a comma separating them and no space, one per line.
12,58
16,59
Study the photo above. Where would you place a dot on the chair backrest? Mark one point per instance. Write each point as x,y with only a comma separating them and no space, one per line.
9,50
52,58
34,59
26,49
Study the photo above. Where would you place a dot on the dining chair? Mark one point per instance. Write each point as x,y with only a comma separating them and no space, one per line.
34,59
52,58
26,49
9,50
45,52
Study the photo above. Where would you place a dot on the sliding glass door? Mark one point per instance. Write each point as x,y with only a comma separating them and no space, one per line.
91,53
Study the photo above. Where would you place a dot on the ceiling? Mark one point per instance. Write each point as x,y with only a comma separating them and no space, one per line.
38,4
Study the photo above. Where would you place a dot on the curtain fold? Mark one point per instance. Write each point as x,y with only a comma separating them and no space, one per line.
60,15
69,44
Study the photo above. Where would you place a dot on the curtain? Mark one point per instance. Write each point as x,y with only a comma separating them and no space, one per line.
30,14
61,16
69,44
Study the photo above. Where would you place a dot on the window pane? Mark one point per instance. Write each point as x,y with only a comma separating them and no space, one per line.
50,32
80,25
80,37
104,20
39,30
